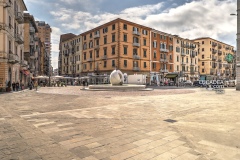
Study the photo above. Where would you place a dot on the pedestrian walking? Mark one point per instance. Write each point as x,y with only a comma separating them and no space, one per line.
17,86
83,84
21,85
30,85
13,86
36,85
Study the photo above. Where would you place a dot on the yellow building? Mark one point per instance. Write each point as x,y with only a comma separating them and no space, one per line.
117,44
212,63
185,58
11,41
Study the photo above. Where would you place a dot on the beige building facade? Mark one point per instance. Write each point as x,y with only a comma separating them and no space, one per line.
11,41
44,33
31,54
185,58
71,56
212,63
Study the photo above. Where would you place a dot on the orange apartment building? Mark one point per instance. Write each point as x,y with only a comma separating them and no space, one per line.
117,44
161,56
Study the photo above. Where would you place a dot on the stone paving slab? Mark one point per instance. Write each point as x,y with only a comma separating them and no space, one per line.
69,123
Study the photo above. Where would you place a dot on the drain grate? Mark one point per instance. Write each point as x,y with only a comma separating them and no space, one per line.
170,120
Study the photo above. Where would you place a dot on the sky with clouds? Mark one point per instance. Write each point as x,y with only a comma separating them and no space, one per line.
186,18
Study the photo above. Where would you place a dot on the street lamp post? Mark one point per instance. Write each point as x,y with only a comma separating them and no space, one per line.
238,47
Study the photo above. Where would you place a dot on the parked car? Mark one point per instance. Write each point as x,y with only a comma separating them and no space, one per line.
232,83
196,83
188,83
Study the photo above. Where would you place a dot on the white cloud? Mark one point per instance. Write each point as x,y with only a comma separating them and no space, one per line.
191,20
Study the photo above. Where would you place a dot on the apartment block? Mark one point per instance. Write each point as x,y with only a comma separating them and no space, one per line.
161,55
185,58
44,33
71,55
212,62
11,41
118,44
63,38
30,56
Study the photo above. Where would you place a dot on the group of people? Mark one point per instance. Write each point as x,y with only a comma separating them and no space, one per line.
32,85
17,86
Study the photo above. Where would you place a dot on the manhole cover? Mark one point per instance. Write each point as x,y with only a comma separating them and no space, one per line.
170,120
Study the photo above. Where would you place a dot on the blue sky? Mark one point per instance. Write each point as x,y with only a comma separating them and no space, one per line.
186,18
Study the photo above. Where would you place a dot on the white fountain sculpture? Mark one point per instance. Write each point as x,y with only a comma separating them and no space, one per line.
116,77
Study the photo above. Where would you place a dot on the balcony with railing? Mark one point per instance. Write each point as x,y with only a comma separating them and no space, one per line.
31,43
219,46
220,66
219,59
32,68
183,45
13,58
32,30
24,63
219,52
104,57
19,17
89,59
212,71
227,66
164,70
214,44
214,51
192,72
96,47
183,54
136,33
136,69
96,35
136,44
136,56
66,62
164,50
214,65
214,58
19,39
163,60
193,54
32,56
183,63
192,64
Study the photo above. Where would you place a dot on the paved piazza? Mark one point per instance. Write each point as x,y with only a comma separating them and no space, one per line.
72,124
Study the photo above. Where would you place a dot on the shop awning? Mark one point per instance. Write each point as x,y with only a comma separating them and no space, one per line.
25,72
171,76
